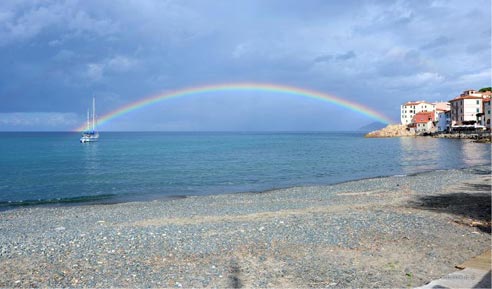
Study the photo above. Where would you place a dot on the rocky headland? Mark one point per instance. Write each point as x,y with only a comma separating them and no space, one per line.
392,130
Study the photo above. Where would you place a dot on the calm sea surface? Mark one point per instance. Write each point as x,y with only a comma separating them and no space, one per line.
53,168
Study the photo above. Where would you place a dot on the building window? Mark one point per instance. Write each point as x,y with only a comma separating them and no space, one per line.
478,110
478,101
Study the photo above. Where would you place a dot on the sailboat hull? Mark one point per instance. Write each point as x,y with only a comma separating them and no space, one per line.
88,139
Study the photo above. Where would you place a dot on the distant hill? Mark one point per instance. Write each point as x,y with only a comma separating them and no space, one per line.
372,126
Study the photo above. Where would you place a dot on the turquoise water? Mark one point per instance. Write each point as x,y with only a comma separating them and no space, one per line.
40,168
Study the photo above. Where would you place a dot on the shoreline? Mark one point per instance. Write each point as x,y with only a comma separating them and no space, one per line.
382,232
113,199
400,130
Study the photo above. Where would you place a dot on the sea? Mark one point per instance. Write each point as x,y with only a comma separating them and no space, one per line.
53,168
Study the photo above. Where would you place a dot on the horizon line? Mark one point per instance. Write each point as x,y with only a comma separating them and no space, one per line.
181,131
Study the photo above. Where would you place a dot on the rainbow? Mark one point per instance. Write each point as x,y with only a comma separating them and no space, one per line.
263,87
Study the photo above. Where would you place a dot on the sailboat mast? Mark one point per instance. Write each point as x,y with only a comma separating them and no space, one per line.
93,114
90,135
88,121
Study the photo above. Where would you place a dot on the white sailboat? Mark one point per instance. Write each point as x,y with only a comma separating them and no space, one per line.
90,135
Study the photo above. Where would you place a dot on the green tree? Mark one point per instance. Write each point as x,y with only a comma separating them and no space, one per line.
485,89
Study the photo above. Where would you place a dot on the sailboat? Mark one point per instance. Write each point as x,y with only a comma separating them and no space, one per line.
90,135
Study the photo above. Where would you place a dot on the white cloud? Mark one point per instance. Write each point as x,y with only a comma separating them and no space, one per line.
426,77
20,23
95,71
81,22
64,55
484,76
397,12
419,80
115,64
240,50
55,43
475,79
120,63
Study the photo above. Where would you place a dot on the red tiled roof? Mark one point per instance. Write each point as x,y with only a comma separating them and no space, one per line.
465,97
416,102
423,117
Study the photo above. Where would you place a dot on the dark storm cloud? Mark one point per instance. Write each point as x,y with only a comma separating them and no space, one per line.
55,55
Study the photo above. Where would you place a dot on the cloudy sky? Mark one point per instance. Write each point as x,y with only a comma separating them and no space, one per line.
56,55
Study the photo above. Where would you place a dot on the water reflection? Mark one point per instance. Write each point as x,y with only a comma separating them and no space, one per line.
418,154
474,153
424,154
91,157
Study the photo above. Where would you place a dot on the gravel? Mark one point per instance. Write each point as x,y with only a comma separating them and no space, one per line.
383,232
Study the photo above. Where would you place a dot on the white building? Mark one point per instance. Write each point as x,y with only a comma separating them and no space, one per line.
464,109
409,109
471,92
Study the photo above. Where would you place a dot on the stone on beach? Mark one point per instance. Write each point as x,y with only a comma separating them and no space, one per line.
383,232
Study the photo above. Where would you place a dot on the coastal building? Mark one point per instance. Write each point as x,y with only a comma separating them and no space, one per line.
409,109
471,92
424,122
440,107
439,116
469,110
444,121
464,108
486,113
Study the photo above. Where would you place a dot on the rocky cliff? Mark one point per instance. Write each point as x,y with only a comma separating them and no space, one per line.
392,130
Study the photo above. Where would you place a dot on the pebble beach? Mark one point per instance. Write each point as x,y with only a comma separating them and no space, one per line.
401,231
